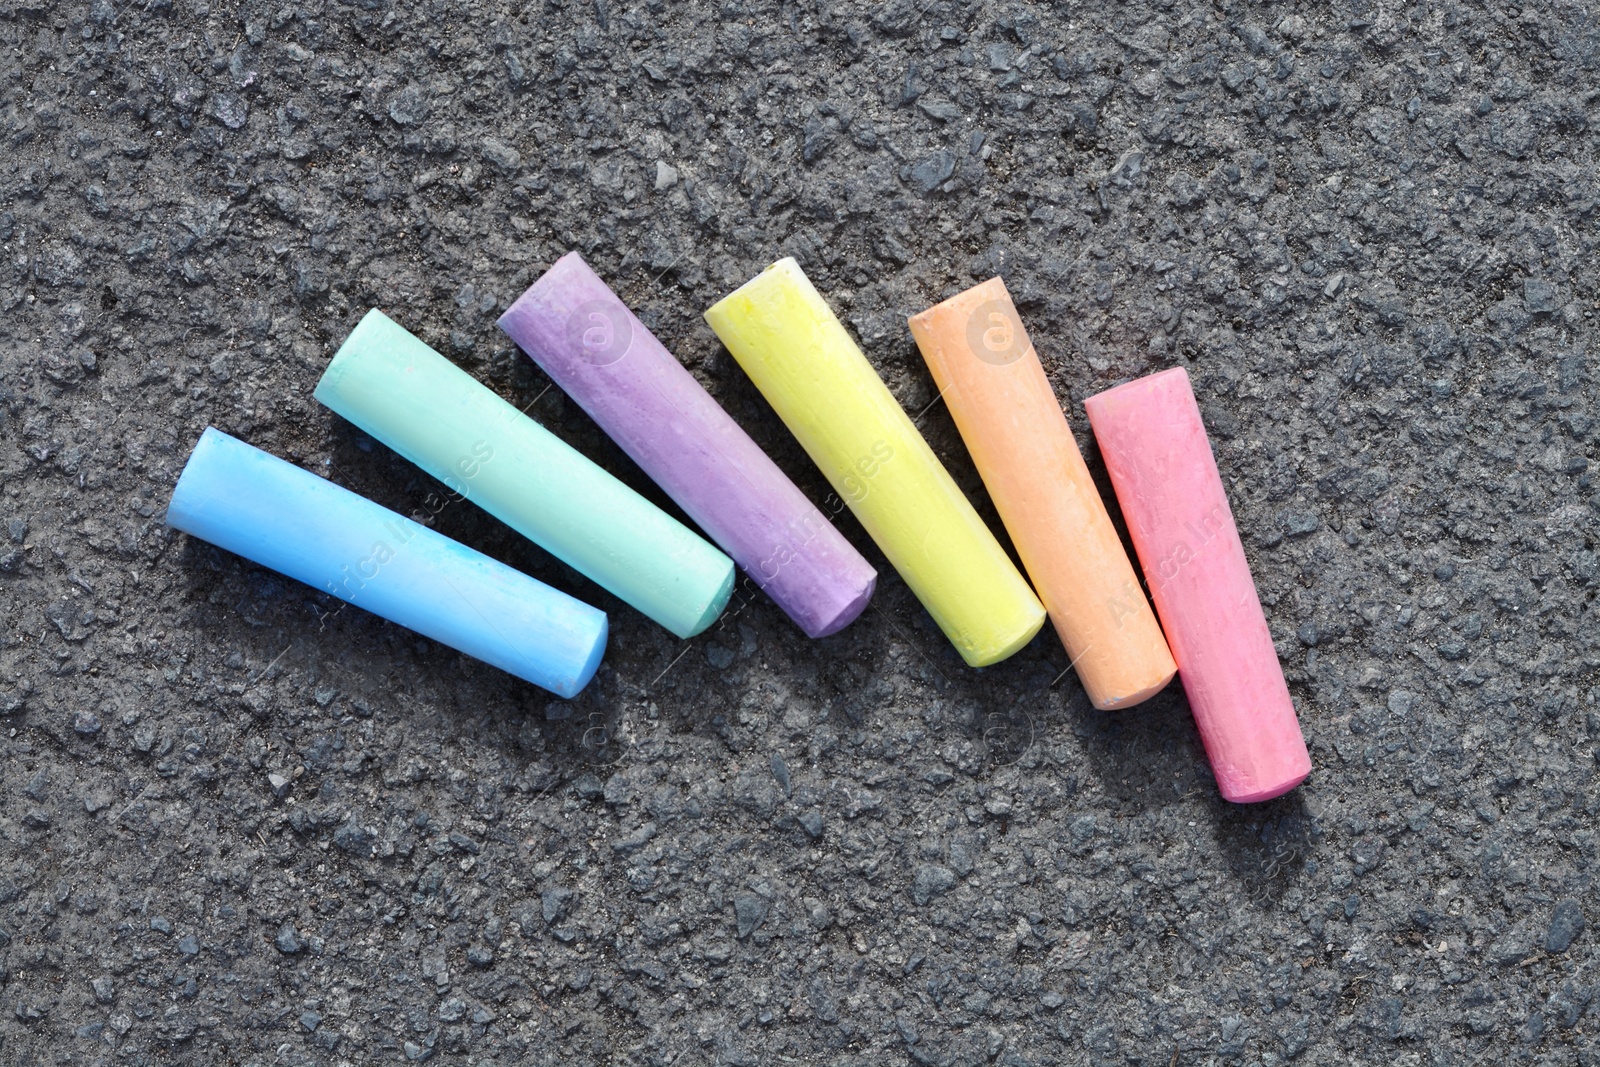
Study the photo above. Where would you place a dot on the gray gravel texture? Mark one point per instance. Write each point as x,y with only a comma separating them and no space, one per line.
241,825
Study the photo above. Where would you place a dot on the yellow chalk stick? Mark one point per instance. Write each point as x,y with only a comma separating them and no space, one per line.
798,354
996,390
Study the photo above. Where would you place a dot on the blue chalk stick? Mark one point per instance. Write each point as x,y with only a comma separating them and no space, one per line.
265,509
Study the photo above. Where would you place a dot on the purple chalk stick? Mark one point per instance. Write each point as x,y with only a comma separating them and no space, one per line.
587,340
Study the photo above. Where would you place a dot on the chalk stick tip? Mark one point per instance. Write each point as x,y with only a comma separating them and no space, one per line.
1126,389
988,657
846,615
967,300
787,266
376,335
372,323
714,606
1120,701
179,505
564,265
527,301
1257,793
586,670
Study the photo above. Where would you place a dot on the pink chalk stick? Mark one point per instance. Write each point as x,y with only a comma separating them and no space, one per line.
1167,484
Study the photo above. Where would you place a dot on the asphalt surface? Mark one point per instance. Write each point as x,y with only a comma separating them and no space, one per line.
240,825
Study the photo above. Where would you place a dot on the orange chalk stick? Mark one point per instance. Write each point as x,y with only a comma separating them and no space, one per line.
1008,415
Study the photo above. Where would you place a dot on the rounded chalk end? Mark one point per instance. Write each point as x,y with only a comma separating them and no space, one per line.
591,663
1109,398
720,316
1127,700
1257,793
520,321
847,614
187,495
714,606
989,657
378,346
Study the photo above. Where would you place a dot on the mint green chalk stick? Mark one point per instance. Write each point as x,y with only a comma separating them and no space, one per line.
411,398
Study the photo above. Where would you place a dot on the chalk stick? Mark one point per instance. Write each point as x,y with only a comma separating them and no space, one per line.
589,343
1166,480
995,388
798,354
406,395
287,519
